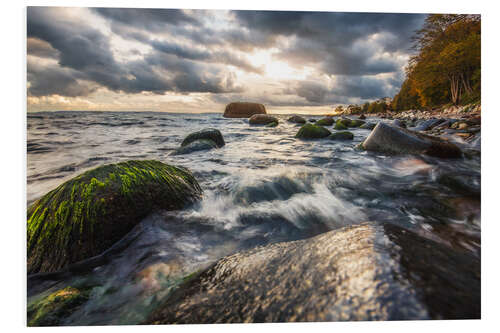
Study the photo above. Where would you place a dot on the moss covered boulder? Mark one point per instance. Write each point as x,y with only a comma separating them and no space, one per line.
356,123
262,119
208,134
52,309
310,131
327,121
243,109
346,122
86,215
344,135
339,126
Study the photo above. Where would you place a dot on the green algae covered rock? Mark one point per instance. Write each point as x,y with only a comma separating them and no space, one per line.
52,309
208,134
344,135
310,131
86,215
340,126
356,123
327,121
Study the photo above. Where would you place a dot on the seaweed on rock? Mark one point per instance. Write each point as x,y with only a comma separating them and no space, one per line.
87,214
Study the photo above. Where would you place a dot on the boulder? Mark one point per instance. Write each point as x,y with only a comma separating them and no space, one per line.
340,126
243,110
312,120
369,126
364,272
428,124
209,134
356,123
273,124
346,122
362,117
398,123
344,135
394,140
86,215
327,121
262,119
310,131
297,120
198,145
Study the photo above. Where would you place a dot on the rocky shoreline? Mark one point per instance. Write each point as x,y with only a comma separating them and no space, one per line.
78,222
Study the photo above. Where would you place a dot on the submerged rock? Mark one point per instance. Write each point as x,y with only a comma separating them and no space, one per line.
262,119
54,308
393,140
369,126
340,124
198,145
398,123
327,121
243,109
356,123
344,135
364,272
88,214
346,122
428,124
273,124
297,120
310,131
362,117
208,133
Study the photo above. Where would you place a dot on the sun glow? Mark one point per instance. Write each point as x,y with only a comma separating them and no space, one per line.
277,69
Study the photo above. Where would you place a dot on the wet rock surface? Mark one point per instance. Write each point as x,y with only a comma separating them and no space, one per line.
394,140
364,272
208,134
243,110
262,119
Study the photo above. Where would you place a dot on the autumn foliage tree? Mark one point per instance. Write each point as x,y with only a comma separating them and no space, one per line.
447,66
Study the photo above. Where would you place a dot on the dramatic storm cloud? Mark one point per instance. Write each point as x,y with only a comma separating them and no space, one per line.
164,59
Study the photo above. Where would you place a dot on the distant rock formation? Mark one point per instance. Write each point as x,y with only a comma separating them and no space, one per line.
243,110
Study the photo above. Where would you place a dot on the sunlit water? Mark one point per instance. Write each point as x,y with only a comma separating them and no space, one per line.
263,186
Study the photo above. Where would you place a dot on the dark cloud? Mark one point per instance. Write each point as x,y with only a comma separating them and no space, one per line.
151,19
185,55
87,52
52,79
42,49
338,43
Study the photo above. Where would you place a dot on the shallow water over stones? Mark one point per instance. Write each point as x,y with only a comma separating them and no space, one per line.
263,187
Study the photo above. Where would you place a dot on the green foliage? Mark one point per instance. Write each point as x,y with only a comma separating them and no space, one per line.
447,67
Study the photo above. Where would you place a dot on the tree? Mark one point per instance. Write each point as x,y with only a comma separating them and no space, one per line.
447,65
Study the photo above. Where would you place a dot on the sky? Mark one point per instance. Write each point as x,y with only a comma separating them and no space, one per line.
176,60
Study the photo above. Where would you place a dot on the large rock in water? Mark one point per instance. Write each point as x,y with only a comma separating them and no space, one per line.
243,109
262,119
88,214
208,133
297,120
395,140
327,121
198,145
365,272
310,131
